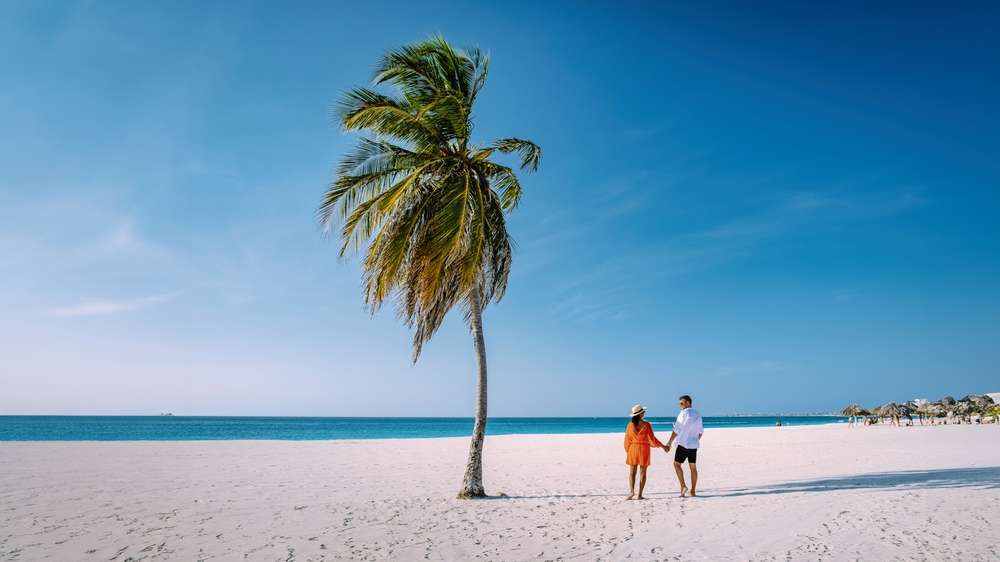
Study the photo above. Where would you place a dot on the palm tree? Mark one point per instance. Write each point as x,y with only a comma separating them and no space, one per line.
423,204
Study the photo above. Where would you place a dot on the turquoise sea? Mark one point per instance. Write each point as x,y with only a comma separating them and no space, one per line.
197,428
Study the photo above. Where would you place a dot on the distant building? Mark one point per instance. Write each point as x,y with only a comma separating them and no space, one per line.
921,401
995,396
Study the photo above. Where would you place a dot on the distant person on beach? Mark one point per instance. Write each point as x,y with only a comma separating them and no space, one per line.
688,430
638,440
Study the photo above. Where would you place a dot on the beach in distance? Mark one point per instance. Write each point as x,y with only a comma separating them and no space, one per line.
821,492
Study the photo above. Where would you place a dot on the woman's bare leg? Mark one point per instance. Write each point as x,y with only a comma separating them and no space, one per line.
631,481
642,480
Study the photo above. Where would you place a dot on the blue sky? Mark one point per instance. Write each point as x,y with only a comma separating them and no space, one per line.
776,208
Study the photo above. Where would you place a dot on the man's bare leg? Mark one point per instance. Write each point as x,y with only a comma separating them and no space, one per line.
631,480
680,477
642,480
694,477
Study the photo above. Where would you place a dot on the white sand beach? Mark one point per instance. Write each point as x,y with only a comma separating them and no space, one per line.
789,493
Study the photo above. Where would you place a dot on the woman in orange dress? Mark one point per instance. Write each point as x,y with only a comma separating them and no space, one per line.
638,439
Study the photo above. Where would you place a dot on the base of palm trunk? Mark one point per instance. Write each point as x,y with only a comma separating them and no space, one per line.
472,494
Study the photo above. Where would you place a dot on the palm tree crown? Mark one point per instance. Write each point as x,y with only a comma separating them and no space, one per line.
423,203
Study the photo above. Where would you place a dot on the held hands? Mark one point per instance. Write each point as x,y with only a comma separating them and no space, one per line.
666,448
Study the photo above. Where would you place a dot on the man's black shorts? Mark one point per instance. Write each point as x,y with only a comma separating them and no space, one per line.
683,454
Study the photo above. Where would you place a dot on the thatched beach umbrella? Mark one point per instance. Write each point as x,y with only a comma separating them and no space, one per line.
892,410
942,408
980,402
928,409
907,408
932,409
965,408
853,411
878,411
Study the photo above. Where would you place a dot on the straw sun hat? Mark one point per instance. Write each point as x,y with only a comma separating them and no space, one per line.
636,410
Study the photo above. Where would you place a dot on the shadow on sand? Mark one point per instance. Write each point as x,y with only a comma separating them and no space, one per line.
985,477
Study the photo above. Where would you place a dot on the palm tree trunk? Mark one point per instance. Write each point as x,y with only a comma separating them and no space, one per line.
472,484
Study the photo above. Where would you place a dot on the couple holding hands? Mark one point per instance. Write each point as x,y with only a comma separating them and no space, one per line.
639,438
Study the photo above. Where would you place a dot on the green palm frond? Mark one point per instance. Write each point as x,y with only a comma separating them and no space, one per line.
383,116
425,206
529,152
504,183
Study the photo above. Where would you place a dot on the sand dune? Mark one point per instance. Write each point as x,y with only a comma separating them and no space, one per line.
791,493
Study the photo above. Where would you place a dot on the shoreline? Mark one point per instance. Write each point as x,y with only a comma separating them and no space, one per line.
364,440
878,427
466,437
155,428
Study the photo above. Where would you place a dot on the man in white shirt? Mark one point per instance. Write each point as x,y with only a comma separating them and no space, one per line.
687,431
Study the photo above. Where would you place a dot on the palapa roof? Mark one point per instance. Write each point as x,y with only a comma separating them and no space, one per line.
892,409
930,409
966,408
981,401
854,410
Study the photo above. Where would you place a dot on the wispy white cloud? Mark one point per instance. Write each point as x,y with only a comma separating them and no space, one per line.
843,295
65,233
587,297
100,307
